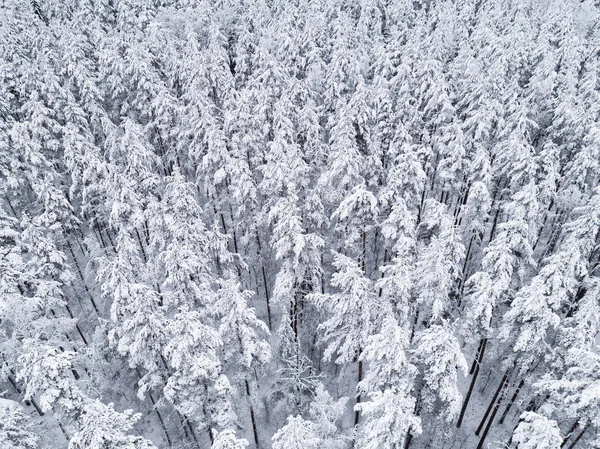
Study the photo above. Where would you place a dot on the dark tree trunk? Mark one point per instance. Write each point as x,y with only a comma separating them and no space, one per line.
576,440
410,436
475,372
264,276
492,402
79,272
465,263
360,374
364,252
160,420
252,417
489,424
478,355
569,433
512,401
493,231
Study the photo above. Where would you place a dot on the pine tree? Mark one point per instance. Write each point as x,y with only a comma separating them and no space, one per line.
438,263
102,427
537,431
389,412
16,429
227,440
536,307
240,329
244,351
352,311
437,352
297,433
326,414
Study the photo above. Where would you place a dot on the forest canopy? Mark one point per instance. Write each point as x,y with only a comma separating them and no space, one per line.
295,224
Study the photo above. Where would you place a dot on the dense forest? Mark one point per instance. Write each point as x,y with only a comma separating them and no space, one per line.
295,224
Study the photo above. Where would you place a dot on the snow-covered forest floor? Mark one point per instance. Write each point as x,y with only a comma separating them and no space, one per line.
295,224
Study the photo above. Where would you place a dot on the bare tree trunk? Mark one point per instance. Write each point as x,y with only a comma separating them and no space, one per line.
252,417
543,226
294,315
464,268
414,326
112,244
578,437
492,402
27,401
512,401
493,231
382,274
364,252
159,416
478,355
160,420
76,324
144,258
475,372
555,232
569,433
462,201
360,373
82,278
264,276
410,436
489,424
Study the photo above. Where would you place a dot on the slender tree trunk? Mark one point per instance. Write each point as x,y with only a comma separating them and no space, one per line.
492,402
541,231
475,372
82,278
569,433
364,252
360,374
512,434
489,424
27,401
576,440
512,401
159,416
100,239
76,325
234,237
294,315
461,202
464,268
264,276
223,224
160,420
193,433
414,326
110,240
252,417
145,259
382,274
554,236
322,276
495,223
12,208
183,426
410,436
81,248
419,214
62,429
479,355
